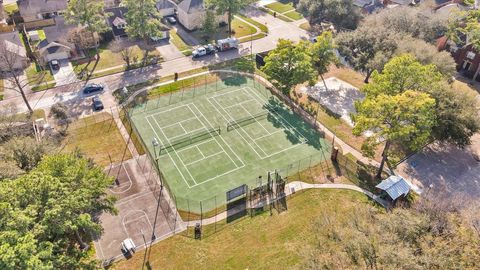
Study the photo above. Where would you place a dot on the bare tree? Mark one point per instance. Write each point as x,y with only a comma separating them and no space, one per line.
127,52
12,61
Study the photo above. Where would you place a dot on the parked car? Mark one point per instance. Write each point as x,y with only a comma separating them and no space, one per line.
97,104
203,50
171,20
128,246
92,88
54,65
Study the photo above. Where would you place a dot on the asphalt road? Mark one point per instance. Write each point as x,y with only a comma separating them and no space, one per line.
277,29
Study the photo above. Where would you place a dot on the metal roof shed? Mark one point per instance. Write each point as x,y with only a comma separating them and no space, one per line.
395,186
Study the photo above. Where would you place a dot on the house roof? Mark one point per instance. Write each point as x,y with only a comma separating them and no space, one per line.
12,43
165,4
395,186
53,47
59,31
116,18
34,7
190,6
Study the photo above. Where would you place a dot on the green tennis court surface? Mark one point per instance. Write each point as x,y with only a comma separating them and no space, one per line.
224,137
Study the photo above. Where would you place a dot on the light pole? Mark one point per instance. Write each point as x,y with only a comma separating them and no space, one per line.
155,144
146,248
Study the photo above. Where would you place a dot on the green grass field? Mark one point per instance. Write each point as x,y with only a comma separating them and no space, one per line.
201,158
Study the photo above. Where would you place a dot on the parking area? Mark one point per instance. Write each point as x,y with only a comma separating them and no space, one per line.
141,216
65,74
445,169
168,50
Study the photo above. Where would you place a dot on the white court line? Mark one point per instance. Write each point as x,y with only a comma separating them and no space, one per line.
168,153
183,128
206,157
241,105
227,92
186,133
174,150
234,105
132,211
228,145
176,123
169,110
198,149
275,114
239,128
195,145
129,181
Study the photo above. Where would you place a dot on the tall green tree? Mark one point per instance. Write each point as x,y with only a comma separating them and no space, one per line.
49,212
210,24
288,65
143,22
463,24
404,119
341,13
323,54
231,7
89,14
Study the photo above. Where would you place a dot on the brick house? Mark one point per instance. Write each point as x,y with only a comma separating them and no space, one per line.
465,56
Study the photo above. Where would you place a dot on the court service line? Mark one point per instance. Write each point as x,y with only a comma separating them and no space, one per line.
173,161
205,157
241,128
227,144
175,151
243,107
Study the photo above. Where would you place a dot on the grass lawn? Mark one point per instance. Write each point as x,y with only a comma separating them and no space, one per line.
261,26
110,59
84,135
178,42
280,7
346,74
306,26
35,74
261,242
294,15
240,29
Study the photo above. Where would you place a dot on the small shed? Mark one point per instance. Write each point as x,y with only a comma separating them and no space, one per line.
395,187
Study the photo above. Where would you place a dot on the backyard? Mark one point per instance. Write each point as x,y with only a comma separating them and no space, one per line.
278,241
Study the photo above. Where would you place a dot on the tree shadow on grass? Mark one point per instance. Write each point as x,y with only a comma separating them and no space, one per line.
292,124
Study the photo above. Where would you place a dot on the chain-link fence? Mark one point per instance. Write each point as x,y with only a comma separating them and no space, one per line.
212,213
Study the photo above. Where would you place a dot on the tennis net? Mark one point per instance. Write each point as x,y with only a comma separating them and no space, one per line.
190,139
249,119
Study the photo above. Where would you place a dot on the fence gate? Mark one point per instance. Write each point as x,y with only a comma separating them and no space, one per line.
236,203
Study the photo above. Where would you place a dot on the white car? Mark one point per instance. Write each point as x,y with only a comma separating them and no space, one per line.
128,246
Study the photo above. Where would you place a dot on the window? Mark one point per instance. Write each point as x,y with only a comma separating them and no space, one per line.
470,55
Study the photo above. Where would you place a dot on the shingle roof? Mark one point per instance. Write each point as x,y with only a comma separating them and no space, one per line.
165,4
12,43
395,186
190,6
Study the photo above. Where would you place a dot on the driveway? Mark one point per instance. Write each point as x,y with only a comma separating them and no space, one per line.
64,75
168,51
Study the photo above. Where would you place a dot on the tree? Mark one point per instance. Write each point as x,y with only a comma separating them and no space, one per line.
10,56
288,65
231,7
127,52
398,108
25,152
46,212
143,22
367,49
210,23
323,54
89,14
409,21
426,54
341,13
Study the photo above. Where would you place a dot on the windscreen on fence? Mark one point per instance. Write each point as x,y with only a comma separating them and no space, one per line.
190,139
250,119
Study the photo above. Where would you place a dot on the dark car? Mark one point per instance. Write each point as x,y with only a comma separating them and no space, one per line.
92,88
54,65
97,104
171,20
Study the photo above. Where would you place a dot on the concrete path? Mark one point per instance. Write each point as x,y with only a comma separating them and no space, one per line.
290,189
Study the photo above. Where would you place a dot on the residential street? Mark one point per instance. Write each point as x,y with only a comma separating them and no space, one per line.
278,29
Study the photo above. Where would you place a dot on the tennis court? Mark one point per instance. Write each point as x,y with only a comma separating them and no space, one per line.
219,136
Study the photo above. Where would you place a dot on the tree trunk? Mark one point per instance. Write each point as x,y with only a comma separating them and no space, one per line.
82,244
324,83
20,89
384,159
229,23
369,73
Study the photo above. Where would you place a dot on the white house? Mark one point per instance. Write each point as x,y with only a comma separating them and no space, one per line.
12,52
56,45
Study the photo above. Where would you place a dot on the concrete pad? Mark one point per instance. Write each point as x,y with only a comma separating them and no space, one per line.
64,75
169,51
339,96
